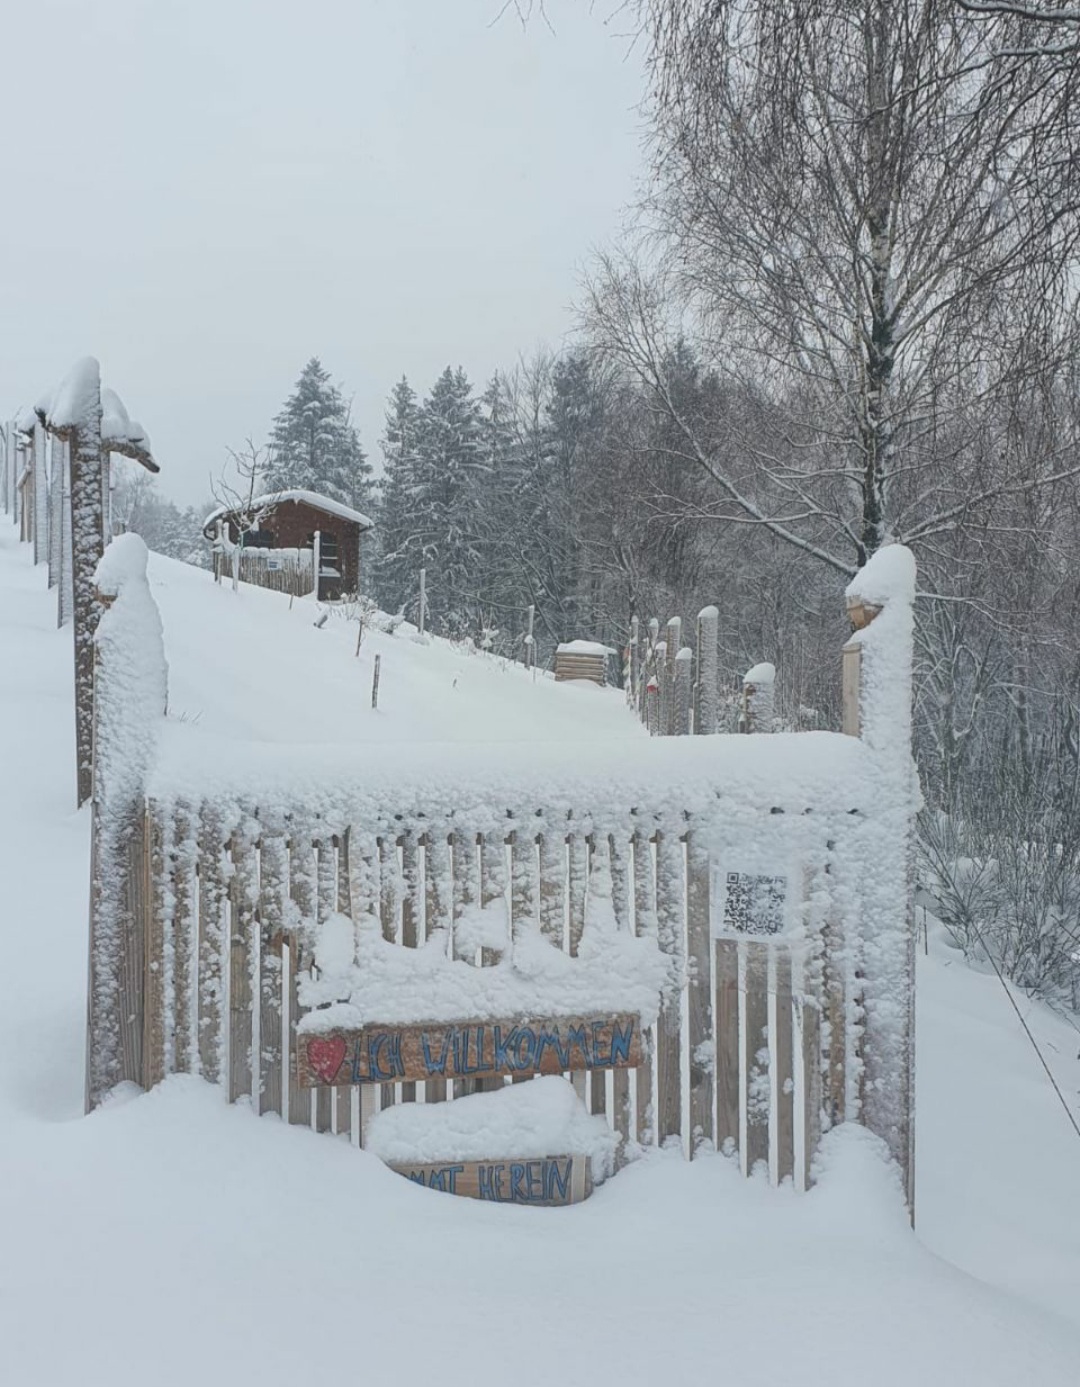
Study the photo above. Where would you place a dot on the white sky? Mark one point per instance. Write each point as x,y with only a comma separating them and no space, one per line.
212,191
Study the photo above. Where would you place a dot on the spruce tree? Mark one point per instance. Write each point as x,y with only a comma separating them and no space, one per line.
314,444
447,500
400,550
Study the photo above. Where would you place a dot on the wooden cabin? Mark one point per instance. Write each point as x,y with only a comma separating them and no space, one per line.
291,529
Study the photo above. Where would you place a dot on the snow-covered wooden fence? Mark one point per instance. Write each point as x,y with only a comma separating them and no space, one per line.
771,872
64,509
235,897
282,570
675,688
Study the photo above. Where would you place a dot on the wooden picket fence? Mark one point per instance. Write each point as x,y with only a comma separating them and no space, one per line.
224,912
290,571
788,1005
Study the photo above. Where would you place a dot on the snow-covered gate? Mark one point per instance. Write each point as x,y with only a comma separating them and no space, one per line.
772,872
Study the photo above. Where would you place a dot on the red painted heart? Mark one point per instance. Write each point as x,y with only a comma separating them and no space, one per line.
325,1057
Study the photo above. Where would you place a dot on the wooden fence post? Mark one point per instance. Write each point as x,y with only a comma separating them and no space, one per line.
663,682
672,646
316,560
123,890
699,983
530,643
680,701
56,507
707,686
41,495
757,708
877,705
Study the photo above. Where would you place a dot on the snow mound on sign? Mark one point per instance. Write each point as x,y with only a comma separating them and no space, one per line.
544,1117
614,972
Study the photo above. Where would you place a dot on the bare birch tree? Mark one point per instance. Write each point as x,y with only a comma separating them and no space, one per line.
867,210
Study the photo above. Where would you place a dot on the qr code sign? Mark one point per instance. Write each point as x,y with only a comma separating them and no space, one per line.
755,904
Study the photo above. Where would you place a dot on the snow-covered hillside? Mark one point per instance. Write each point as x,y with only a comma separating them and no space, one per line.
251,666
172,1239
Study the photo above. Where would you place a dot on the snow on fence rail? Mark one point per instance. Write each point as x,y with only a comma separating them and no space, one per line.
238,896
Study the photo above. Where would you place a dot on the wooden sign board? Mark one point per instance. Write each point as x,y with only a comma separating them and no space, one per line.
543,1181
467,1049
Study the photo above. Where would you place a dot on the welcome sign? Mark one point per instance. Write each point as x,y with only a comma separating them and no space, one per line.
378,1054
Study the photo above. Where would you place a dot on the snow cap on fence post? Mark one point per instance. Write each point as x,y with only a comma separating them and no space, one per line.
757,710
880,603
131,676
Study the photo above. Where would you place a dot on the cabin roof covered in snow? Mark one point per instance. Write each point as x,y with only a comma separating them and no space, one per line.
305,498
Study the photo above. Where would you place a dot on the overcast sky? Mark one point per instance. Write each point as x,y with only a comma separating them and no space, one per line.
212,191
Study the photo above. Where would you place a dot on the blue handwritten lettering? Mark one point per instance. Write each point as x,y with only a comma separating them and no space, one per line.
621,1036
431,1064
394,1067
503,1047
576,1035
558,1174
551,1040
525,1047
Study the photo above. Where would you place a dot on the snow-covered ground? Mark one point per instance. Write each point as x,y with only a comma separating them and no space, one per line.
251,667
171,1239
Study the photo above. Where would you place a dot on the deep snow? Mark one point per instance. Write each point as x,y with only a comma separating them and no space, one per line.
172,1239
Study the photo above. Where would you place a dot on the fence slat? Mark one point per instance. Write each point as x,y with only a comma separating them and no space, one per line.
620,849
326,878
755,998
273,893
523,882
243,894
699,983
811,1062
153,1045
411,906
670,878
644,924
727,1045
211,941
836,986
553,886
438,910
302,914
465,886
389,893
183,939
578,888
493,889
783,1059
